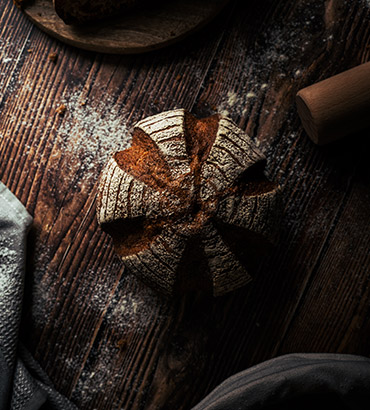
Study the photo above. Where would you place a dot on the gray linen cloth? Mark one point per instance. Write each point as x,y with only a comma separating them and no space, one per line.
23,384
294,381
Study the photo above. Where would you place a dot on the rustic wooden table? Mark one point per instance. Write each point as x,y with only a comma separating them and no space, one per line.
106,340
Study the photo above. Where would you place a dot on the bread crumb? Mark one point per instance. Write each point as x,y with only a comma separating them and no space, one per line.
53,57
122,344
61,110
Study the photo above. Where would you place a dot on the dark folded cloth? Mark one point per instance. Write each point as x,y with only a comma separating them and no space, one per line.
296,381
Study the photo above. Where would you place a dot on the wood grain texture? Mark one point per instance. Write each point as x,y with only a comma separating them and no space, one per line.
109,342
148,28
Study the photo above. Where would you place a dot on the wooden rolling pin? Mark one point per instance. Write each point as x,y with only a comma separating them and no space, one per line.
337,106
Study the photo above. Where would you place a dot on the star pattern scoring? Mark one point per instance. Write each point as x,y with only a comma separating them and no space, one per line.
185,200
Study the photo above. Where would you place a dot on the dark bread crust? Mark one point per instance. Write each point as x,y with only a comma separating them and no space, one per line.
84,11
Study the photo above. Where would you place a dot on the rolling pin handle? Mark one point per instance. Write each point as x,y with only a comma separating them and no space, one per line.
337,106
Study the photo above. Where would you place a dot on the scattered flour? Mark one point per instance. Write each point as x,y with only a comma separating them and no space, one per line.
89,135
279,49
126,322
285,47
95,382
88,132
11,51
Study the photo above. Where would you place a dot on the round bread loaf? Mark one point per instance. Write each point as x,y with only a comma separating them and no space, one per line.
83,11
187,205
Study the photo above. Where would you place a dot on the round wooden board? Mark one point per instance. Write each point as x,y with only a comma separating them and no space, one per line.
138,31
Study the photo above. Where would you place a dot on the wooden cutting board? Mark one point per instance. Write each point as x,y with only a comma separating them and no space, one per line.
138,31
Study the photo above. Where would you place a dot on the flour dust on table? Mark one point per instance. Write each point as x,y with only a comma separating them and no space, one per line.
90,135
284,41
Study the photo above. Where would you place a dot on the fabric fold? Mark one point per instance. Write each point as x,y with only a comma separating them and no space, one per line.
300,380
23,384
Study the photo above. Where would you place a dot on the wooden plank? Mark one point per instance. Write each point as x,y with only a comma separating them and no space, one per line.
335,305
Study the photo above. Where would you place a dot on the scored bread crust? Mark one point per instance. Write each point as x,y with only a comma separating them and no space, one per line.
84,11
184,202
